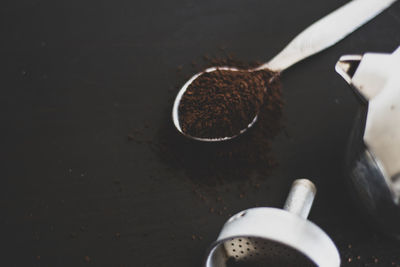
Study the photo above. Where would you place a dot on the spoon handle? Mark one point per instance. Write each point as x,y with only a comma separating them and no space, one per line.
327,31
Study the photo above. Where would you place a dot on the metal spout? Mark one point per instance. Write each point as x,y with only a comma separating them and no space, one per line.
347,66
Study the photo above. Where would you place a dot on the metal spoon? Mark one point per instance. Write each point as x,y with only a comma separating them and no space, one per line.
317,37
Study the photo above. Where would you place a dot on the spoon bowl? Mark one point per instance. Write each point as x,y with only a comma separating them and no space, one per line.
175,109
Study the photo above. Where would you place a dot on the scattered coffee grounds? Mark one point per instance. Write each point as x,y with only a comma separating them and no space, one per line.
244,158
222,103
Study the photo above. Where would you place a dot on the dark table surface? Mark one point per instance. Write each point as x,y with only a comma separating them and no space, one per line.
79,76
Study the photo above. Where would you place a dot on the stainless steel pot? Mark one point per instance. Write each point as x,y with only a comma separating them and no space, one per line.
373,155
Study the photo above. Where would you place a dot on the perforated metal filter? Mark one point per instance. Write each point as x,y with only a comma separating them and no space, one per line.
247,251
275,237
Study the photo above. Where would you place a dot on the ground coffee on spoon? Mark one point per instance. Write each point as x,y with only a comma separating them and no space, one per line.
244,157
222,103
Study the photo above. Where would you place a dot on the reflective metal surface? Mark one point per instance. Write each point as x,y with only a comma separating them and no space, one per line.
373,158
262,236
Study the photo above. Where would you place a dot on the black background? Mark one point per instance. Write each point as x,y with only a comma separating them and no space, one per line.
79,76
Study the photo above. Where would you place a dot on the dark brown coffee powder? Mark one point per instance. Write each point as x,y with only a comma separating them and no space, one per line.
222,103
246,156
